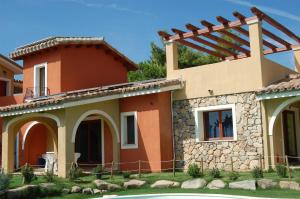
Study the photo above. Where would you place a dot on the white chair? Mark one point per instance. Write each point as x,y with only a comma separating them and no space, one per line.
51,162
76,157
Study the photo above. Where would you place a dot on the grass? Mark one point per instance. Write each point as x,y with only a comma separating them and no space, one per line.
87,181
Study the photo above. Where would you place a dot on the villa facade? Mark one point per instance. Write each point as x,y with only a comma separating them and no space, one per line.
242,111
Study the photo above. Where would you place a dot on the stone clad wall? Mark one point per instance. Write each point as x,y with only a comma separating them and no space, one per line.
245,152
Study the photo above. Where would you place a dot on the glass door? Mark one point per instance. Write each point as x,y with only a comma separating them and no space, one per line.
289,128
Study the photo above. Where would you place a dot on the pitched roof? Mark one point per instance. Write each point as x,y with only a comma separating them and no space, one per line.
10,64
118,91
290,82
56,41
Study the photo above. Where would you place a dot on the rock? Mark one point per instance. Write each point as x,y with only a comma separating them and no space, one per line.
193,184
100,184
289,185
21,192
266,183
165,184
47,185
134,184
246,184
76,189
216,184
87,191
97,191
113,187
66,191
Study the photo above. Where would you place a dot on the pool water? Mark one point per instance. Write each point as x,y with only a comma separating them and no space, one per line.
181,196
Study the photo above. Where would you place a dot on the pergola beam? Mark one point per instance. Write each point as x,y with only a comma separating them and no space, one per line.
205,42
194,46
265,32
244,32
225,32
218,39
275,23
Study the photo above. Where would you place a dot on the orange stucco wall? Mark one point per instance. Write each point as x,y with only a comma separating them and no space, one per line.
108,146
75,68
154,132
89,67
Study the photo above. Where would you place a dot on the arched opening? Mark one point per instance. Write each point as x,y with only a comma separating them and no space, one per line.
284,127
26,138
95,139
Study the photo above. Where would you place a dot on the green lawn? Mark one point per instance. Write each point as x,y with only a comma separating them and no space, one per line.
86,181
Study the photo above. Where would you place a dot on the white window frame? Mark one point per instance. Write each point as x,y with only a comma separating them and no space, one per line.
36,80
8,85
199,125
124,131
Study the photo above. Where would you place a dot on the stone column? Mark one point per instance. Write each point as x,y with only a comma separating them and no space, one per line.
65,149
172,58
297,58
255,37
8,150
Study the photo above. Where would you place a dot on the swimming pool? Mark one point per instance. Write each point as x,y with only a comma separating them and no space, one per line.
181,196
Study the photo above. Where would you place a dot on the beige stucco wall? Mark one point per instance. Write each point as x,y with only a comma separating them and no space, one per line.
9,75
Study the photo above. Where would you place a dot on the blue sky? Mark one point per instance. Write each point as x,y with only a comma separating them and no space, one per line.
129,25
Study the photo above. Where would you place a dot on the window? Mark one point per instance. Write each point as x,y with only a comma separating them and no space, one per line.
215,123
40,80
129,130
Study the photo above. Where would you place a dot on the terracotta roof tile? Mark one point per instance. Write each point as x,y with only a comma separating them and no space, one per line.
290,82
92,93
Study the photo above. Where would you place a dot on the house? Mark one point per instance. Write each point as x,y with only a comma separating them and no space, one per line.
242,111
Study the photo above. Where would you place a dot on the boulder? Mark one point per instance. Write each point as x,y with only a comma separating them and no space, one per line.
134,184
87,191
266,183
289,185
246,184
194,184
113,187
66,191
21,192
100,184
76,189
97,191
216,184
47,185
165,184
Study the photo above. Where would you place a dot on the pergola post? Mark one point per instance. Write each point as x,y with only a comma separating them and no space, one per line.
172,57
255,37
297,58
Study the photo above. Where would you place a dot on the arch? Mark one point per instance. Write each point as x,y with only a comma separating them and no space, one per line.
47,115
98,112
278,110
26,133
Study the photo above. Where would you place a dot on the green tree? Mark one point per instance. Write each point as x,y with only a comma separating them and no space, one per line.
154,67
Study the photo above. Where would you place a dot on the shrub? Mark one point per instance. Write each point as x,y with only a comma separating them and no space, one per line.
233,176
74,172
27,173
126,174
49,176
4,181
257,172
215,173
194,171
98,171
271,170
281,170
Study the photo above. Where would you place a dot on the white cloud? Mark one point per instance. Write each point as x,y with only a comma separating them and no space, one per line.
112,6
273,11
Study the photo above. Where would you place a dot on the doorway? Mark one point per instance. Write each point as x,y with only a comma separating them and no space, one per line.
89,142
290,137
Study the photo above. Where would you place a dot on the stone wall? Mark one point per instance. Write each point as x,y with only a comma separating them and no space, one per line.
245,151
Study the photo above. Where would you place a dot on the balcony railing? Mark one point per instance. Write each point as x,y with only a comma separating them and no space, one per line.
36,92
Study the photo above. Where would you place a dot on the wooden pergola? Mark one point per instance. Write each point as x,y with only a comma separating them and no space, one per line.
210,38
